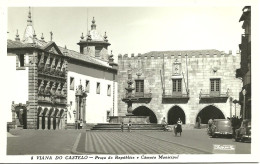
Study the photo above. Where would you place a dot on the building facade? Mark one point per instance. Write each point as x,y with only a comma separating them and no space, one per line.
244,72
180,84
58,88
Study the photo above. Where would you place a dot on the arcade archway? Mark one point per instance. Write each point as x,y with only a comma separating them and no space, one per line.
210,112
174,114
144,111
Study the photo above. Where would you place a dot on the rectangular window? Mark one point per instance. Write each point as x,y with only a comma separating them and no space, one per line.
98,88
109,90
87,86
21,60
139,88
71,83
177,86
214,87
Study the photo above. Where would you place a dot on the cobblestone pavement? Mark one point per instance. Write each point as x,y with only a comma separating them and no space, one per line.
99,142
130,143
191,142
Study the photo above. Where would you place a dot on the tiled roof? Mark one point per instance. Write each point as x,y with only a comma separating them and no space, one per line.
70,53
184,52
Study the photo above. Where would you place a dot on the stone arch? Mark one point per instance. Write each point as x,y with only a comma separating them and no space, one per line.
145,111
210,111
174,114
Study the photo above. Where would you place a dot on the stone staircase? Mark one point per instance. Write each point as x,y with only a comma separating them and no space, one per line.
135,127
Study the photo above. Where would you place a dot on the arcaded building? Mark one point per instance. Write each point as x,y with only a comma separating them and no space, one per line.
180,84
56,87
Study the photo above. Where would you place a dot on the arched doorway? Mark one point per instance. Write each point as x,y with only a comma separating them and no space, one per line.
174,114
21,115
210,112
144,111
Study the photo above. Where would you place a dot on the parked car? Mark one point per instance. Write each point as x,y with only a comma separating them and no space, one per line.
244,132
221,128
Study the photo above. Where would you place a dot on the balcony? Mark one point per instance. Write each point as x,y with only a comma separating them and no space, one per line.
138,98
175,98
215,97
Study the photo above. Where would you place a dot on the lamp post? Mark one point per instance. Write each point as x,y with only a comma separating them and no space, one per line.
230,106
244,104
74,112
235,102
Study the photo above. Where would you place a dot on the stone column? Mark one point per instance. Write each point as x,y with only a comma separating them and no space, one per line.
40,122
46,119
57,123
51,124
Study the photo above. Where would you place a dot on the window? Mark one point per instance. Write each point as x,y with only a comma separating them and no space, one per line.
177,86
214,87
109,90
87,86
71,83
98,88
21,60
139,88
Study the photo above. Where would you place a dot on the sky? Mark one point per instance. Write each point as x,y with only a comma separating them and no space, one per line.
136,29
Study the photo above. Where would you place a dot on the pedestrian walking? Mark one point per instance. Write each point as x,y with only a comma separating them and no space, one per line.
164,124
129,126
122,127
178,127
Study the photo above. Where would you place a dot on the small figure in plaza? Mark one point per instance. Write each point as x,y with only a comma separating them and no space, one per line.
210,122
122,126
80,124
129,126
178,127
199,122
164,124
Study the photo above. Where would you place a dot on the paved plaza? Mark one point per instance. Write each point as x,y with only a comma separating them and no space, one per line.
194,141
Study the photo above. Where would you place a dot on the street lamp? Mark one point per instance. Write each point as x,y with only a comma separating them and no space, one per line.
231,106
235,102
244,104
74,112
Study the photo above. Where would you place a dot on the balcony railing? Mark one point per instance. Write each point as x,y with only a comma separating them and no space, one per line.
138,98
175,98
213,98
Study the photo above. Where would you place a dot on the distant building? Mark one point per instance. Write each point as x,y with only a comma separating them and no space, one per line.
56,87
180,84
244,71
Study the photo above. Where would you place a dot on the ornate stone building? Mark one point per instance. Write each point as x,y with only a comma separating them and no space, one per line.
58,87
180,84
244,71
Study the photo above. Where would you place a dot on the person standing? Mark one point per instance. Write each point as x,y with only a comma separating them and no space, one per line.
179,127
210,122
199,122
129,126
164,123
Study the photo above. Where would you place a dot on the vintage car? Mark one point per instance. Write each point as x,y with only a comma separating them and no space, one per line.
221,128
244,132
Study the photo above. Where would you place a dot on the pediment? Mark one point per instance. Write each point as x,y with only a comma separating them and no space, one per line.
52,48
